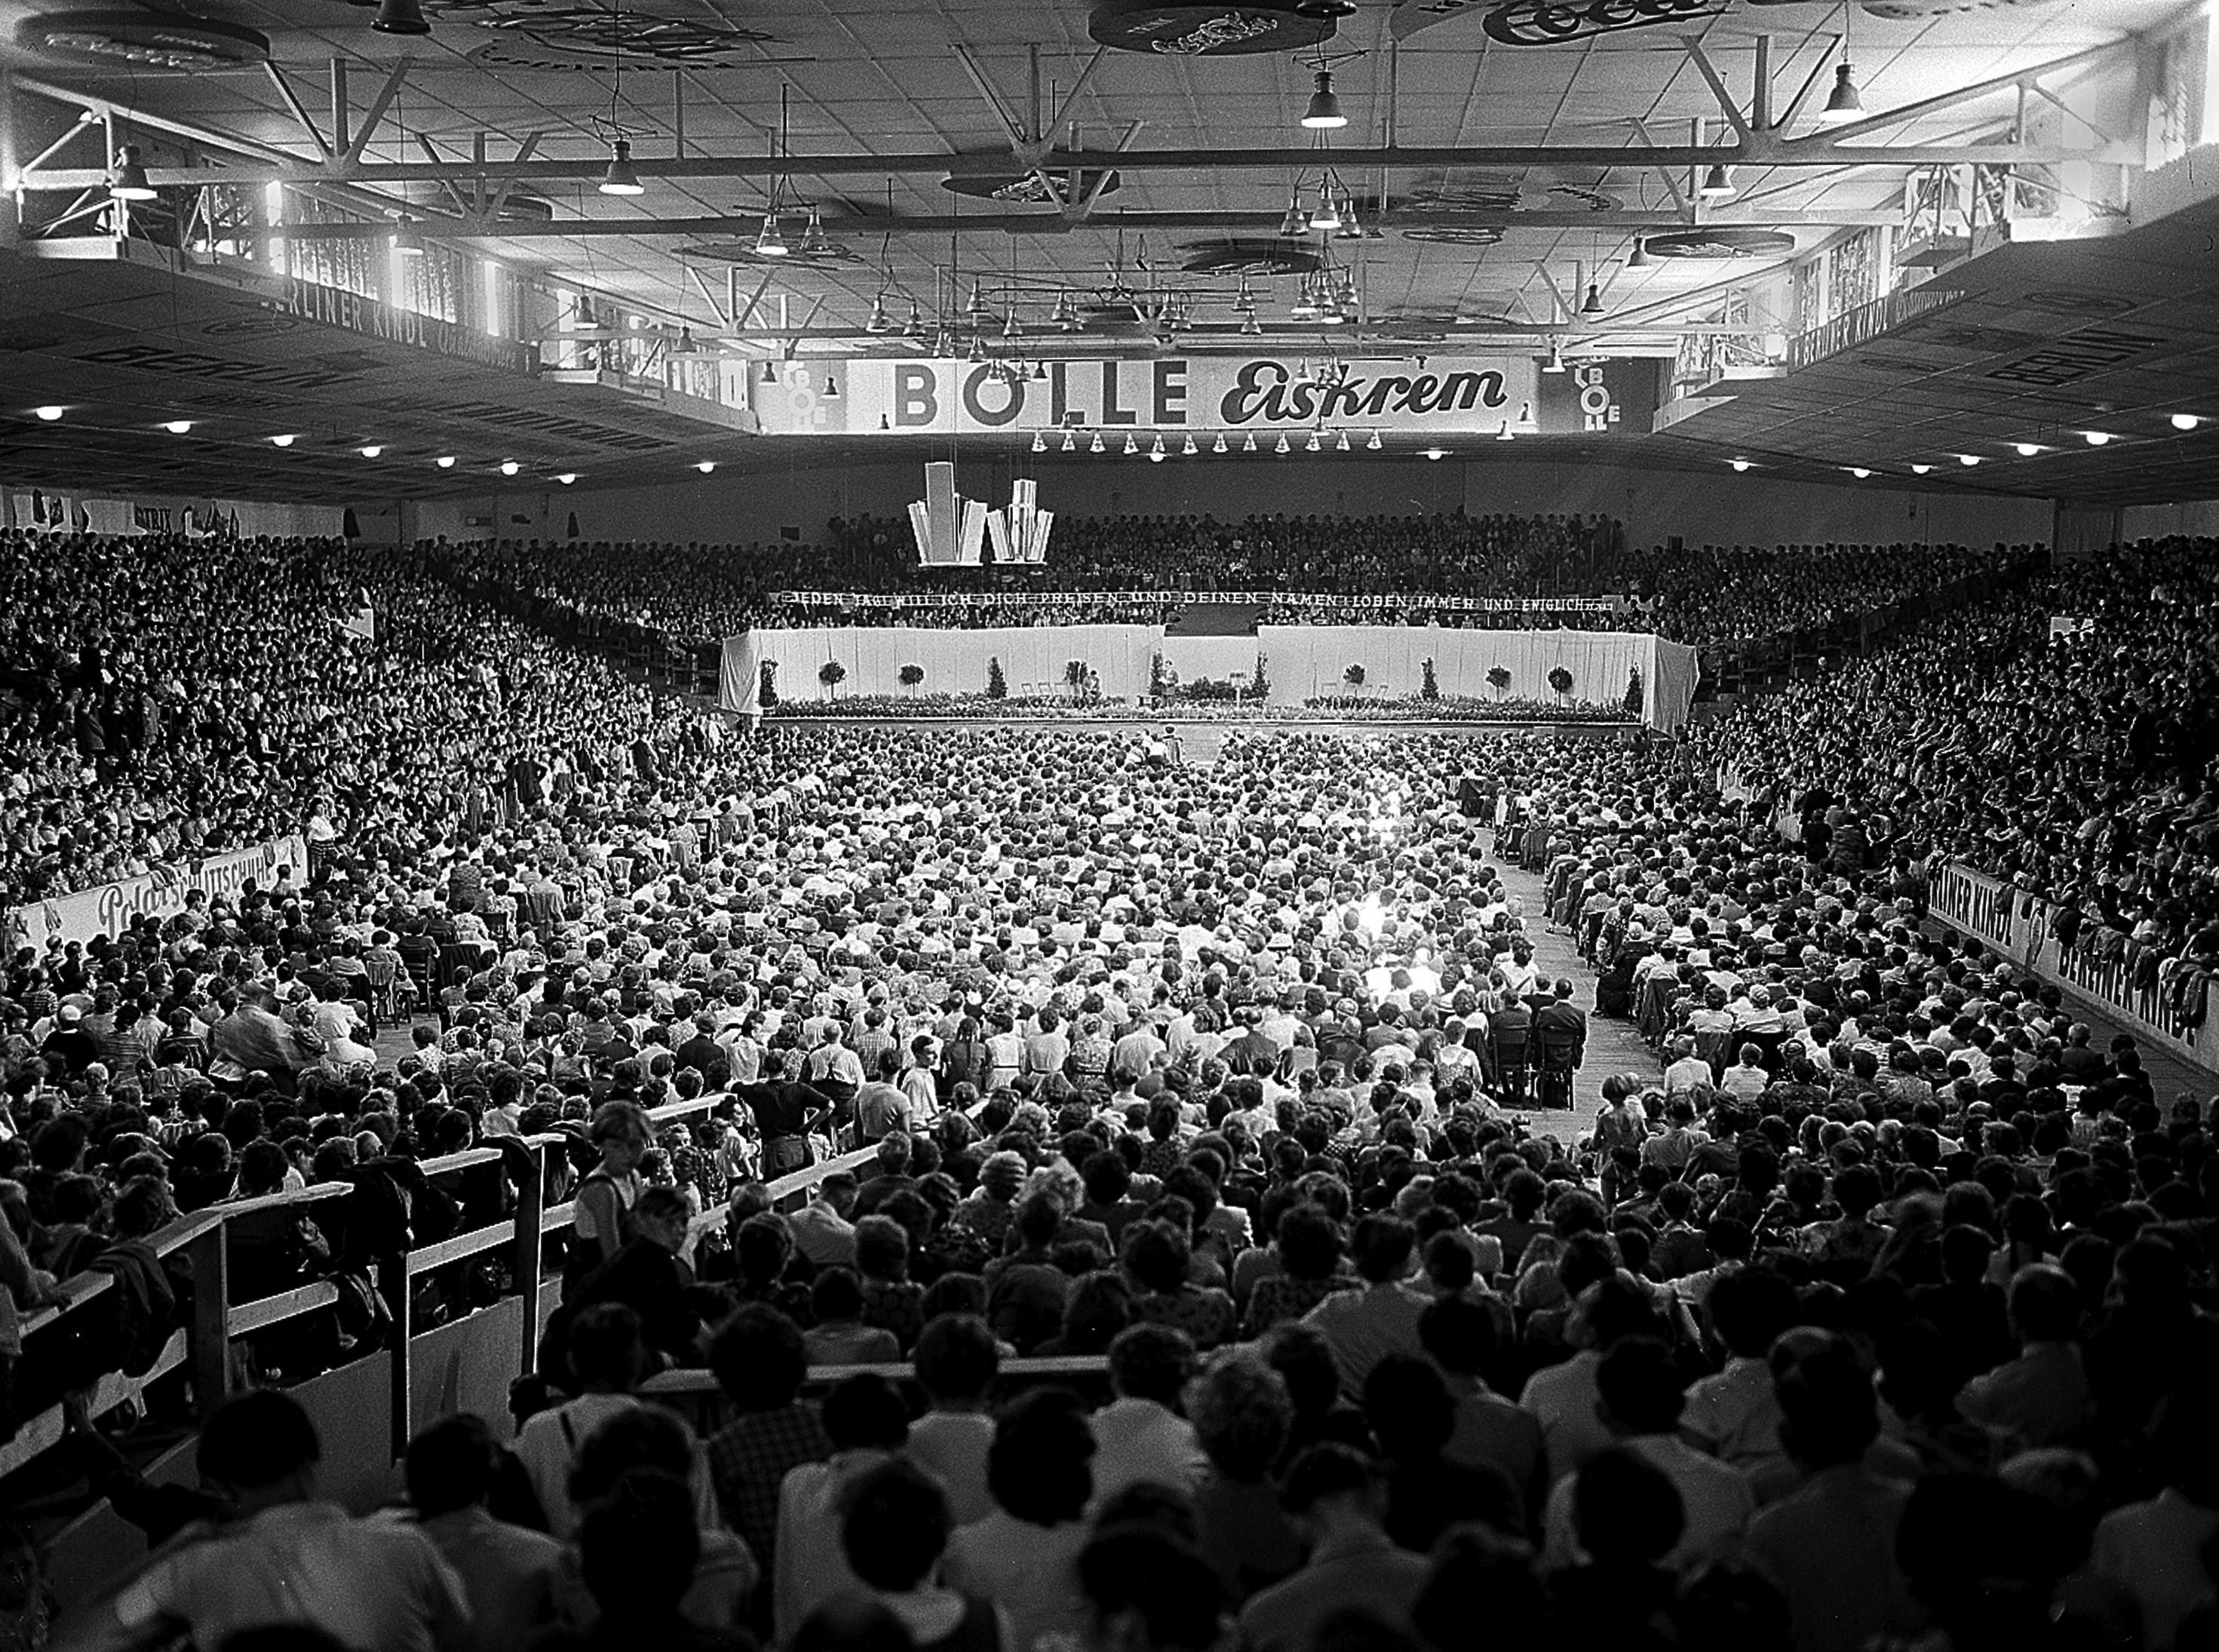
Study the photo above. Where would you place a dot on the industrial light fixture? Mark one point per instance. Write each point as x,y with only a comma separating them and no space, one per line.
1282,448
706,466
372,451
1341,446
1920,469
1718,184
620,178
1327,218
914,327
1969,460
1842,103
1639,259
977,353
2027,450
445,462
1740,464
1218,446
566,478
1248,444
1859,472
770,239
814,243
1436,453
2096,437
1592,304
1375,443
878,323
1556,362
1131,446
1324,112
1189,450
178,426
1070,442
399,17
127,181
1096,445
509,467
1156,453
2185,421
406,241
49,412
281,441
1505,434
1296,221
1011,327
1313,445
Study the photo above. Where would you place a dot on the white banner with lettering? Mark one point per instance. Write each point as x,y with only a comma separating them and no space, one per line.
107,909
1264,396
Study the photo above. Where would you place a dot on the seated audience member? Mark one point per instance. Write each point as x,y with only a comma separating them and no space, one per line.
1625,1517
648,1275
606,1359
1639,1398
1335,1495
1364,1327
893,1532
956,1363
725,1575
1140,1435
1412,1415
1829,1545
287,1561
2041,1398
1242,1414
507,1572
867,1423
1022,1555
760,1362
1144,1588
638,1551
840,1336
1489,1431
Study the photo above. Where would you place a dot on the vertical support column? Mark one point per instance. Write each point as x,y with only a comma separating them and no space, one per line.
393,1283
524,1257
341,140
210,1352
11,209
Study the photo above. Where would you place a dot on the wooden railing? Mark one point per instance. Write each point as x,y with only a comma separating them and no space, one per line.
203,1345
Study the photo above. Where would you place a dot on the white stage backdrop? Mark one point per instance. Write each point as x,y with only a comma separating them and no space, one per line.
1301,662
1032,659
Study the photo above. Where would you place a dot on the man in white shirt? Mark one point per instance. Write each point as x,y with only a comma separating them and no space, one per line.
288,1560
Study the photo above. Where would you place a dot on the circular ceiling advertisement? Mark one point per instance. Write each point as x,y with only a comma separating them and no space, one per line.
649,34
1723,242
1253,258
138,42
1029,188
1455,235
1179,29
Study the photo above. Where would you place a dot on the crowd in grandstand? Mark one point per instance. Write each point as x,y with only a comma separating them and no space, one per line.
1878,1316
1314,570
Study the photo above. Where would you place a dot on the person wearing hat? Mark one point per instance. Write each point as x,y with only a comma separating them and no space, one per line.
70,1048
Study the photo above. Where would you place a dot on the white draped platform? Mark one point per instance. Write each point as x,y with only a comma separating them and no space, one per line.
1301,662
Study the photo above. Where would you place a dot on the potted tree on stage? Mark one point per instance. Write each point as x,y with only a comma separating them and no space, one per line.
1354,677
997,686
911,676
832,674
1560,680
1498,678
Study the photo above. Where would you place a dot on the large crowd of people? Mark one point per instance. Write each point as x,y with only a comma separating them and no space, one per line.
1873,1314
1310,570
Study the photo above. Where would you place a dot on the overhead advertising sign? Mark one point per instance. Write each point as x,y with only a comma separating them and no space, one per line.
1435,395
